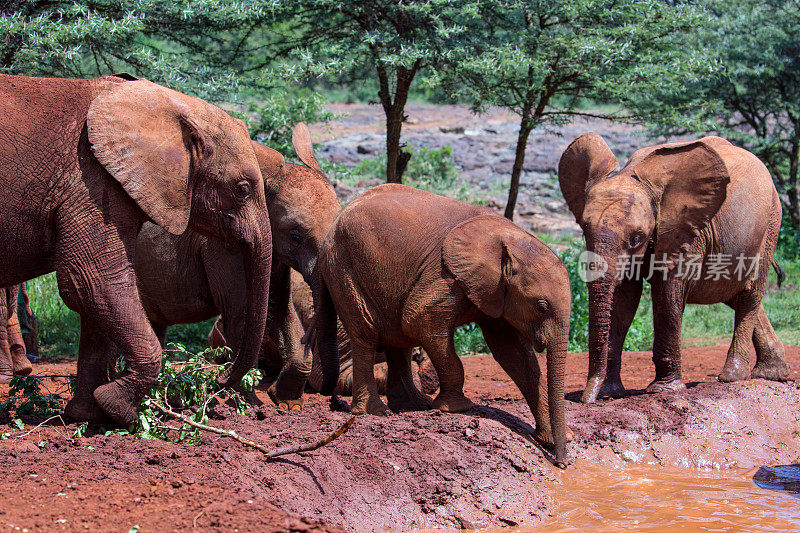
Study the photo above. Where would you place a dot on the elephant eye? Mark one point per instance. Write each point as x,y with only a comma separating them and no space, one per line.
242,190
636,240
542,306
296,236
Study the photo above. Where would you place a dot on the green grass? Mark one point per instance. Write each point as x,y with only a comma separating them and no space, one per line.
59,327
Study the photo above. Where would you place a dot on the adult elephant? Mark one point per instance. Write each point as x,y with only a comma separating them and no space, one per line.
191,277
403,267
700,215
83,164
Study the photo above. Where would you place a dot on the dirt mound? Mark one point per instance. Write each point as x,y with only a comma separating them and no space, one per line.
408,471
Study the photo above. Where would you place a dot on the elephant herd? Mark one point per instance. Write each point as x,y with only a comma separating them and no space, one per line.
155,208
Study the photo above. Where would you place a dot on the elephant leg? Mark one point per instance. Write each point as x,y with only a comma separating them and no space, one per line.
161,334
19,358
429,381
770,356
442,352
287,390
102,289
365,388
667,317
401,391
6,365
737,364
516,357
96,365
626,302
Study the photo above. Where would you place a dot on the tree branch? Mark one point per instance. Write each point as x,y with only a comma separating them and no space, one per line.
269,453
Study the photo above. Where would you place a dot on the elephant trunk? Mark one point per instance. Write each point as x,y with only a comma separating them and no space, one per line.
257,252
556,366
325,323
601,302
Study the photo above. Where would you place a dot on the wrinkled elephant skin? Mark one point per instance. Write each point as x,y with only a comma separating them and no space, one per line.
701,202
83,164
403,267
190,277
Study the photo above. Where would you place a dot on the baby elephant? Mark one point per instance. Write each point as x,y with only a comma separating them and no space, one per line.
699,220
404,267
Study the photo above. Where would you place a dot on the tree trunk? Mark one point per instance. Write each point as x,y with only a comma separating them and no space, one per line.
519,160
394,126
396,158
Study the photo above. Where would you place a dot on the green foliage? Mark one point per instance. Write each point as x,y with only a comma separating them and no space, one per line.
188,385
25,398
752,98
543,59
59,327
275,113
469,340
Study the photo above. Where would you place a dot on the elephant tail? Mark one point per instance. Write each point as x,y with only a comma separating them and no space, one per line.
779,272
322,332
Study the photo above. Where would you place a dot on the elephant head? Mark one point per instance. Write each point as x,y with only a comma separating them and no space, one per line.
301,202
657,204
516,280
187,163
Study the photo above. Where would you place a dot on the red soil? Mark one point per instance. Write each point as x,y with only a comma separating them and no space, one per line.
407,471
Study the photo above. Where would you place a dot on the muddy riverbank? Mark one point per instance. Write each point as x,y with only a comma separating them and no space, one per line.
478,469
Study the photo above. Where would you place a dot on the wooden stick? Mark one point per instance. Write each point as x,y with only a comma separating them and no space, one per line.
266,451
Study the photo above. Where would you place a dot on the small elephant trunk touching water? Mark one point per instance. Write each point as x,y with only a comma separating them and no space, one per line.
556,366
257,252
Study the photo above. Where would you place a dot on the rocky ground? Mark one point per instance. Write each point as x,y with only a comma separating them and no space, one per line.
483,149
409,471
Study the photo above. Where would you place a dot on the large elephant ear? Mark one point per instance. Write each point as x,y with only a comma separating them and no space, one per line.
476,254
146,136
301,140
270,161
692,182
586,160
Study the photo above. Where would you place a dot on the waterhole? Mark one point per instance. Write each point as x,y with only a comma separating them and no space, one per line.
656,499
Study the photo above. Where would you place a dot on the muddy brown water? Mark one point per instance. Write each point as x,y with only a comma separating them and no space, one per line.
652,498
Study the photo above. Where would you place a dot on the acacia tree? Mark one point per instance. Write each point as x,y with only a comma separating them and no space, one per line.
395,40
543,59
754,98
196,46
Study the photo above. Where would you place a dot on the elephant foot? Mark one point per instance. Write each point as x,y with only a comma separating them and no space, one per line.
337,404
85,409
729,375
118,402
22,366
5,377
774,371
452,403
611,389
665,386
403,399
545,436
373,406
282,403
